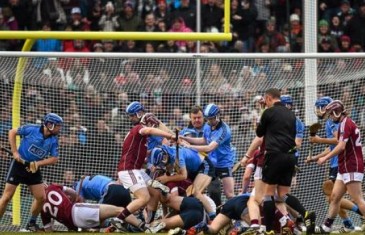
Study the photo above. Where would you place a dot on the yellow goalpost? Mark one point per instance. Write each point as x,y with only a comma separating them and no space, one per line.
31,36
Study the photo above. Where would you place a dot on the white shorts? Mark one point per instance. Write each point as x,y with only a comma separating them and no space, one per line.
86,215
349,177
134,179
258,173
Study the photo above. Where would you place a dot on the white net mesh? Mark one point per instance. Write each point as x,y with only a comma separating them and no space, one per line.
91,95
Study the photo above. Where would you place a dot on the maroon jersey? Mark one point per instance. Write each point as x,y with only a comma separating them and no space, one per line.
351,159
57,206
134,150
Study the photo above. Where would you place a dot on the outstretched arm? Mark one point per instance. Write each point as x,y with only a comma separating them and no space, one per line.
157,132
202,148
337,150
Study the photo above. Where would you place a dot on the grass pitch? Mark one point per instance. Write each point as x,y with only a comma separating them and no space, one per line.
82,233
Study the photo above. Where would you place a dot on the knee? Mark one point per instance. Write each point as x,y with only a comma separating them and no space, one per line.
145,198
229,193
334,198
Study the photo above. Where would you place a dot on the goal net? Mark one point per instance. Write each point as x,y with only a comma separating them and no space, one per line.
91,92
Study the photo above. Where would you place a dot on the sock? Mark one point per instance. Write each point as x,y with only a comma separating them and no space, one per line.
328,223
280,217
269,212
106,223
124,214
150,216
33,219
142,226
212,215
347,222
294,203
356,209
255,223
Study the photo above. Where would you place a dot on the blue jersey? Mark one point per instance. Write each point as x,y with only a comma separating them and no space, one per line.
192,131
93,187
34,146
331,128
222,156
300,131
188,158
154,141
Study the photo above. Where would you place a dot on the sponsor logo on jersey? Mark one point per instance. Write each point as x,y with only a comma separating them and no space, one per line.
37,151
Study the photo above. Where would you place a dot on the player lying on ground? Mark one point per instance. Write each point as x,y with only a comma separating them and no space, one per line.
331,130
234,209
103,190
191,165
60,205
190,212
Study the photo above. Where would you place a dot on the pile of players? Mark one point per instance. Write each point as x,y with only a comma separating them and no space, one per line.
180,168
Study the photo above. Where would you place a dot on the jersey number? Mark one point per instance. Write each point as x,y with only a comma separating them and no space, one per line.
358,141
51,206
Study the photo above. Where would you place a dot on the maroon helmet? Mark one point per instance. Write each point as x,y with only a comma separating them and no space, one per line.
149,119
336,108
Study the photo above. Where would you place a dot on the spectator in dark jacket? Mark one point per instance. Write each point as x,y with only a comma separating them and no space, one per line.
355,28
212,16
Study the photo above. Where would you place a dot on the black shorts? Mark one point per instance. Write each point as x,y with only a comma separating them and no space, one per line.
117,195
191,212
332,175
235,207
17,174
223,172
278,168
206,168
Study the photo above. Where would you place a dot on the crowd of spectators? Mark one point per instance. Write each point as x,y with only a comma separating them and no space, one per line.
257,25
91,93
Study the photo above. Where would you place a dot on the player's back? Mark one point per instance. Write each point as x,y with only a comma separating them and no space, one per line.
93,187
134,150
57,206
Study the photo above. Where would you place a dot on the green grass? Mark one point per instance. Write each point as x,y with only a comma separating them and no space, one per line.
73,233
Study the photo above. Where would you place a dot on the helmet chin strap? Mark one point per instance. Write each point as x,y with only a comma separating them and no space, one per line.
50,129
336,115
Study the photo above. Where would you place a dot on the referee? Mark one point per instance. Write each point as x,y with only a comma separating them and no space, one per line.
278,127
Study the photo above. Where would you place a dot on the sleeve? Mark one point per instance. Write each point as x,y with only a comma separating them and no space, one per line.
24,130
345,131
300,129
261,127
54,149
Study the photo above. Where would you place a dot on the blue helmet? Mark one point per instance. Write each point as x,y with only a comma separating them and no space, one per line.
53,119
323,101
286,99
156,156
134,107
211,110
